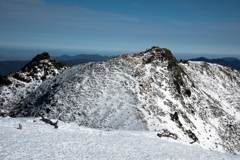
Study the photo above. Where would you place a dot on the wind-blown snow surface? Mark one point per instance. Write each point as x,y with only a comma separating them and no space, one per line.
147,91
38,140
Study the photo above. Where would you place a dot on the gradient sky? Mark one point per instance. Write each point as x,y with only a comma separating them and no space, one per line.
111,27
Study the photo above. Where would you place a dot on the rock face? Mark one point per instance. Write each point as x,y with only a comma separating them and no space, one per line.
16,86
196,101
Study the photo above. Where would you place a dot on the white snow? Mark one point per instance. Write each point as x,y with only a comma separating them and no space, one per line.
38,140
130,93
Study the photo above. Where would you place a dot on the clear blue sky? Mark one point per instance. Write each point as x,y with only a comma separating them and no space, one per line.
111,27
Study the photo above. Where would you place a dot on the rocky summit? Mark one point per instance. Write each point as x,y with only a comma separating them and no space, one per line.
16,86
191,102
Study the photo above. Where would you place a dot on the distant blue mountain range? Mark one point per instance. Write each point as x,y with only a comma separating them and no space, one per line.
93,57
227,61
11,66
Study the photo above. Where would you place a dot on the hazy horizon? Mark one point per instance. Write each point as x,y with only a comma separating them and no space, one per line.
8,54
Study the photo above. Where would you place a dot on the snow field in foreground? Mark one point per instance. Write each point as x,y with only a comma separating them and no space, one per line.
38,140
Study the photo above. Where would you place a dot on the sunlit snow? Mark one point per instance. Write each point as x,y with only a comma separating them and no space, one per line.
140,92
38,140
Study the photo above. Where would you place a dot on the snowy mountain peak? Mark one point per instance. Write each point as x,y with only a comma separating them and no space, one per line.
18,85
193,102
40,67
153,55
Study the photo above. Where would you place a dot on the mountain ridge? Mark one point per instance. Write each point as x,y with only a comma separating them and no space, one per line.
8,66
148,91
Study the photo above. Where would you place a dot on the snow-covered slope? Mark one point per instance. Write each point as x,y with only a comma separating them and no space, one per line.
147,91
18,85
38,141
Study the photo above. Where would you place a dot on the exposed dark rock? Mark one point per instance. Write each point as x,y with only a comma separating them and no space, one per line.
183,61
50,122
40,57
188,92
19,77
3,114
4,81
175,118
192,136
167,133
35,63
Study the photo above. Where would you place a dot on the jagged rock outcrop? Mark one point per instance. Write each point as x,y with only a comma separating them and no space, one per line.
16,86
146,91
